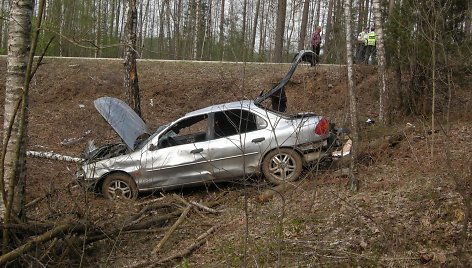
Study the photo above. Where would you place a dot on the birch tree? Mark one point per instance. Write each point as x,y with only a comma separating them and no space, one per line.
13,156
382,69
352,97
131,71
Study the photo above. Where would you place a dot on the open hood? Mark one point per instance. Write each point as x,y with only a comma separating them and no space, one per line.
122,119
303,55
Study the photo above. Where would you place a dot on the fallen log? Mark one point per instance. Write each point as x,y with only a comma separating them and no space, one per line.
54,156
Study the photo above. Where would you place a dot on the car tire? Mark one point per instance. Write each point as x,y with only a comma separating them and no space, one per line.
282,162
119,186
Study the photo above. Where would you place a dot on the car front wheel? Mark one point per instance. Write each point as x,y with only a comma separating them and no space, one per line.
281,165
119,186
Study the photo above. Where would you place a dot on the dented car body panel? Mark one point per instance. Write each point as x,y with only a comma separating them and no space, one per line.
221,154
212,144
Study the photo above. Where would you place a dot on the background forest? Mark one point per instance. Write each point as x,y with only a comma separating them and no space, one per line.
249,30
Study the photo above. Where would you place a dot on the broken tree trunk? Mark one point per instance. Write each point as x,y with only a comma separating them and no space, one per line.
54,156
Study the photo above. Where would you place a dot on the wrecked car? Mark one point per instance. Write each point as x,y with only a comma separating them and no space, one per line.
216,143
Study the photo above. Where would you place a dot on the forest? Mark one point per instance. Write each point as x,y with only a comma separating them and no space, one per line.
403,197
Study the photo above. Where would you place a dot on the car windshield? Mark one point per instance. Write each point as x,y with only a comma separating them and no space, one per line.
159,129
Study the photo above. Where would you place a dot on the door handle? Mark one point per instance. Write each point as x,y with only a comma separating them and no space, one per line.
258,140
196,151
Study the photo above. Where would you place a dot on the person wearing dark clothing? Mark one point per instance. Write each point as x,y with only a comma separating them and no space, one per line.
316,42
279,101
361,45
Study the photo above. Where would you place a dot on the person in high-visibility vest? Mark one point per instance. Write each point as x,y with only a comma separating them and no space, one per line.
370,50
361,42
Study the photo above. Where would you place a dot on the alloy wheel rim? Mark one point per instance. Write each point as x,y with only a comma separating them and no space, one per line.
282,166
119,189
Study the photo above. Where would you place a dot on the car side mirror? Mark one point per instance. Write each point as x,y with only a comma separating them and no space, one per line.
152,147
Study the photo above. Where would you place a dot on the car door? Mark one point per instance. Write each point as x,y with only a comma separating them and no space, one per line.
180,157
239,139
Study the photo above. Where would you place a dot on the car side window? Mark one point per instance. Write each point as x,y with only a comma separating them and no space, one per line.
189,130
236,121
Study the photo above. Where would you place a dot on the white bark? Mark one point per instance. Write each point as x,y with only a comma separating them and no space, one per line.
382,69
18,53
54,156
352,96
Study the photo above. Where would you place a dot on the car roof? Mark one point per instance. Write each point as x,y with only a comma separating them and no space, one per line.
243,104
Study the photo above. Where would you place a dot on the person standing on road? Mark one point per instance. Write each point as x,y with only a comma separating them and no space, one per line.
370,50
316,42
361,44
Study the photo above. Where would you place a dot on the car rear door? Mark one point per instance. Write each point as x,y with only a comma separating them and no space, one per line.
240,138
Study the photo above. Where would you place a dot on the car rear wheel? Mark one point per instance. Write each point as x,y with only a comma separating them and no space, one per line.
281,165
119,186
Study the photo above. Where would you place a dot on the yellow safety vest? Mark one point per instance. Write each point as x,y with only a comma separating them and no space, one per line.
371,39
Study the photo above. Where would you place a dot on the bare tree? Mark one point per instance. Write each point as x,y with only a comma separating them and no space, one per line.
382,69
301,39
279,30
352,97
254,27
19,62
221,35
131,70
329,23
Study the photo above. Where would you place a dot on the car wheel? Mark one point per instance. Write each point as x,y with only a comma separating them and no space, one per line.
281,165
119,186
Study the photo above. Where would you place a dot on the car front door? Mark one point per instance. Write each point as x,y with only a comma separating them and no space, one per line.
180,157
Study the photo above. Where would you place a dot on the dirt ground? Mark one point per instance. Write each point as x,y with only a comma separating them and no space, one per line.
409,210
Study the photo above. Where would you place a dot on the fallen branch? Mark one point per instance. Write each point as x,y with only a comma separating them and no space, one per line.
205,208
156,221
54,156
198,205
200,241
185,253
55,232
172,229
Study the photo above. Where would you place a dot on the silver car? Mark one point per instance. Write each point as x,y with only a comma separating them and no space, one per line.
217,143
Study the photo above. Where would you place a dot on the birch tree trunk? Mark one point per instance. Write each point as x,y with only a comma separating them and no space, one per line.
131,71
352,98
382,69
18,53
279,30
3,31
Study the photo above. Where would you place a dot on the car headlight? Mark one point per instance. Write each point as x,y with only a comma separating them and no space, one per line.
80,175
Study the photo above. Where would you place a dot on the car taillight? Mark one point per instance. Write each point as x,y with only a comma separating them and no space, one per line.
322,127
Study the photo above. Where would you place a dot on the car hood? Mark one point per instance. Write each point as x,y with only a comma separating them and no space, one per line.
303,55
127,124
